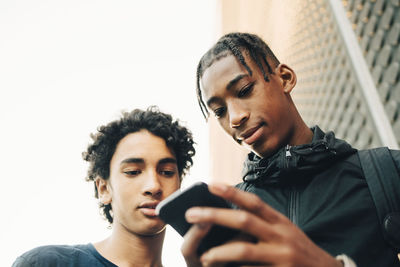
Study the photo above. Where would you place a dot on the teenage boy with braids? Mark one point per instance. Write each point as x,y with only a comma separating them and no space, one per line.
303,199
135,162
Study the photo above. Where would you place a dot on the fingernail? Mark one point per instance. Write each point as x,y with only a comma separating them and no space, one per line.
192,213
203,226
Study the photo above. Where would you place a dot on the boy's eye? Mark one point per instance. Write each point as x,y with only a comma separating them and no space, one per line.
132,173
219,112
246,90
167,173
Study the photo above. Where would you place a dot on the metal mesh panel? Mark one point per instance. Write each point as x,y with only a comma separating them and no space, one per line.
376,24
327,93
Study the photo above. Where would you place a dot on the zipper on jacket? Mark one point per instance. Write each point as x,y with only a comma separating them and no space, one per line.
288,155
293,194
293,204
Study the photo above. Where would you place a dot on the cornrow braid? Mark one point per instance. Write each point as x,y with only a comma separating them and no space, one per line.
235,49
236,44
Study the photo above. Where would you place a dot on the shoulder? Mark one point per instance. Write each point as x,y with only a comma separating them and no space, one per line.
381,152
51,255
395,155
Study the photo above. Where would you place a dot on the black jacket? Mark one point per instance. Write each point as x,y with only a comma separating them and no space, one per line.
321,188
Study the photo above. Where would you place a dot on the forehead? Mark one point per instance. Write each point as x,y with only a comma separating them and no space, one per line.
142,144
220,73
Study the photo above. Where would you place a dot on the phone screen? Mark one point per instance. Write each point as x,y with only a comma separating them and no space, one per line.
172,211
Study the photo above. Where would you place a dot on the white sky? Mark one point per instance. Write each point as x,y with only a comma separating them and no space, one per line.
67,67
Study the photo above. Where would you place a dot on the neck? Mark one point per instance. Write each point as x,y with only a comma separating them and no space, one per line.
302,134
125,248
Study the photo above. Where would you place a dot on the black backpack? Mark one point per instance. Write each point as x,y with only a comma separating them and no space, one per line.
383,181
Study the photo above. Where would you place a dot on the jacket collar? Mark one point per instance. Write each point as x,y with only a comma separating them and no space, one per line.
290,164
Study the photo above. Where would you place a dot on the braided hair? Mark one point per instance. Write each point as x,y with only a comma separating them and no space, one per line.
236,44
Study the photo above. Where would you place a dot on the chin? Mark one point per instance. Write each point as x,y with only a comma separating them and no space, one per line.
154,229
265,151
153,232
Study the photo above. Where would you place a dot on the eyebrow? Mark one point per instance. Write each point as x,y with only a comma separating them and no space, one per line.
132,160
167,160
228,87
235,80
140,160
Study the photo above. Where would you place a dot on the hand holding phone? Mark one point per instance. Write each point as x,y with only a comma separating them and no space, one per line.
172,211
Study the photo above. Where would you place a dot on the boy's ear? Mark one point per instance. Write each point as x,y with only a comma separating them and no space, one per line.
104,190
288,77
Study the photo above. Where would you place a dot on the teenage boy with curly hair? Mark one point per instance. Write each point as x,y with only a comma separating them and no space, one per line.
135,162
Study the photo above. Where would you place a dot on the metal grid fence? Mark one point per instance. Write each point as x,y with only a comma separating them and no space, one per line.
328,92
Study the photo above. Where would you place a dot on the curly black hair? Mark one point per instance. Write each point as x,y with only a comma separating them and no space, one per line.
100,152
235,44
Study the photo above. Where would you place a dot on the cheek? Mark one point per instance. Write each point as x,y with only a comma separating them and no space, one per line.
171,186
272,111
125,189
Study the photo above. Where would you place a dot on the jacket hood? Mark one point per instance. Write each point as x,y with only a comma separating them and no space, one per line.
293,164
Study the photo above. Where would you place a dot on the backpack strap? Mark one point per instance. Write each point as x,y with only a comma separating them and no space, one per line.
383,182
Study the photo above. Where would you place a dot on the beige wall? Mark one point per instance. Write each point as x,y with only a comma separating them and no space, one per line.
226,156
270,19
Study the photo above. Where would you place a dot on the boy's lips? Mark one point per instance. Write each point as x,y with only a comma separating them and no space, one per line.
148,212
149,208
251,135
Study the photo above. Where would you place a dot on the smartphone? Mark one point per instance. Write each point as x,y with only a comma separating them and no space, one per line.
172,211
